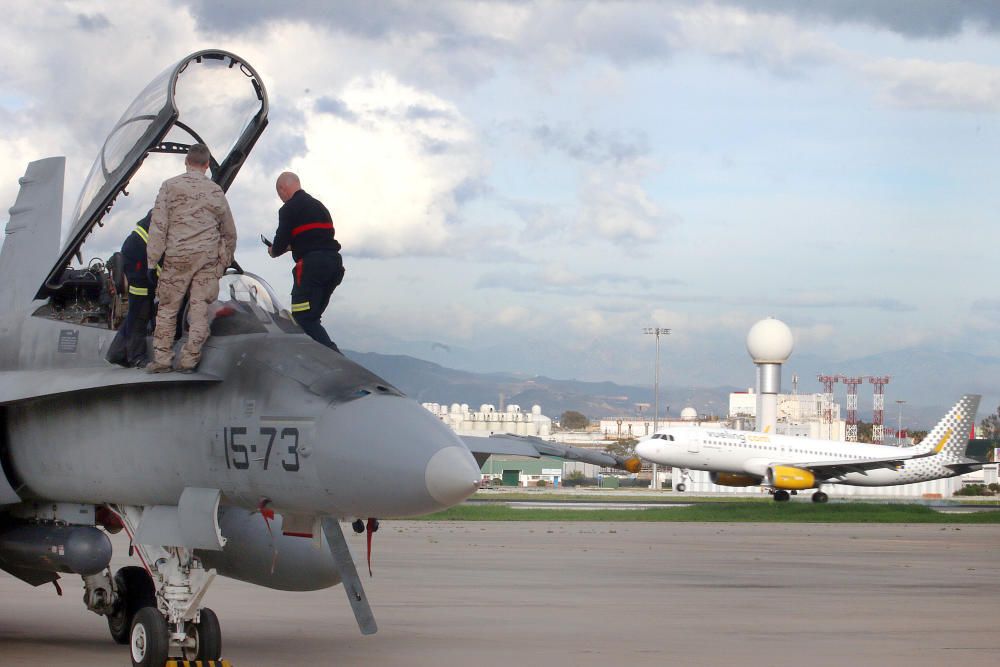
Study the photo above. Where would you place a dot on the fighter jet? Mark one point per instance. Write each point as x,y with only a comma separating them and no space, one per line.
244,469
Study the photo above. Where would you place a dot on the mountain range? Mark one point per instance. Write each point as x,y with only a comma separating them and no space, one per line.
930,381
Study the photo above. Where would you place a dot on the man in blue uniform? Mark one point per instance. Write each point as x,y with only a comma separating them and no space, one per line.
305,227
131,349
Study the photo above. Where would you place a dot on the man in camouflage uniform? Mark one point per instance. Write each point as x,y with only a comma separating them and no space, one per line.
193,230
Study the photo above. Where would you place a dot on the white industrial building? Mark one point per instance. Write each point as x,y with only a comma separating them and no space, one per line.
802,415
617,428
488,420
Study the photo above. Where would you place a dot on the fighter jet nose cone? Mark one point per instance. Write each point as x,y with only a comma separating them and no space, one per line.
452,475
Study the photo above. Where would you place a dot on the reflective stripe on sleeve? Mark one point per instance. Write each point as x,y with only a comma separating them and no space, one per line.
138,291
299,307
143,234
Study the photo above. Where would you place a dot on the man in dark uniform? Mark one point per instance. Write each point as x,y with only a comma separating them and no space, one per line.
305,226
141,290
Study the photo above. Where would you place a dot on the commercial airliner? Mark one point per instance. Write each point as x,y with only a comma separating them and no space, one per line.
784,463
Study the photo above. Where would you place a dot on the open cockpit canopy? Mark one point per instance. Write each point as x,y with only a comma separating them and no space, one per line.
212,97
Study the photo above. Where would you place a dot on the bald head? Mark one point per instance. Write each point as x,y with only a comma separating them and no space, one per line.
287,185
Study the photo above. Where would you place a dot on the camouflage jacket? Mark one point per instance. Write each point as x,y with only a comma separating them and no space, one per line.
191,215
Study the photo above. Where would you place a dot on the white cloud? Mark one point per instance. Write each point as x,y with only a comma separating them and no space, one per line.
771,41
922,84
615,206
515,317
390,167
819,334
590,323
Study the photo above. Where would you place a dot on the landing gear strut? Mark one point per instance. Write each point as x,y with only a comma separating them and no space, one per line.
159,616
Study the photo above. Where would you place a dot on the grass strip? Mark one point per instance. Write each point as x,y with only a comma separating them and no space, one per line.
737,513
612,498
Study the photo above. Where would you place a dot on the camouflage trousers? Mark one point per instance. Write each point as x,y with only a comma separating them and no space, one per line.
199,272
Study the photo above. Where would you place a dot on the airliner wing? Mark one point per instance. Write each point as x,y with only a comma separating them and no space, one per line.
833,469
521,445
965,466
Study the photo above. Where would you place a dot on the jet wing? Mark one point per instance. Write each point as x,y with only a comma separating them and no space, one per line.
520,445
16,386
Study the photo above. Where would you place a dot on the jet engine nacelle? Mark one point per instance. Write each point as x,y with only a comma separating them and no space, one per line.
733,479
264,557
82,550
791,478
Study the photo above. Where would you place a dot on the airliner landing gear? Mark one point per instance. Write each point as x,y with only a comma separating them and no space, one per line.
781,496
820,497
682,485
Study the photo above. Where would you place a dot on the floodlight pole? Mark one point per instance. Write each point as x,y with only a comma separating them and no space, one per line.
656,331
899,425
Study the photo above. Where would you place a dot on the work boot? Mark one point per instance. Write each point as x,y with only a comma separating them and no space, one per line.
156,367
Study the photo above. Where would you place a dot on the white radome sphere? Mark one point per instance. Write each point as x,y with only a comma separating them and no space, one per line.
770,341
689,414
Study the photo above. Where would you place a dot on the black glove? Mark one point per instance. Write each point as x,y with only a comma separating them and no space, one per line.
152,275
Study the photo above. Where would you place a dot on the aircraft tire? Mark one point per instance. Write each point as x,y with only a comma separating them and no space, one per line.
681,488
149,641
781,496
135,590
820,497
209,636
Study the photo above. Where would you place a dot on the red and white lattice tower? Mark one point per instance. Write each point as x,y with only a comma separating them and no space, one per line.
852,405
828,382
878,412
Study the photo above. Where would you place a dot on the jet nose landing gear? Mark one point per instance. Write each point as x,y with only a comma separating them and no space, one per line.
153,639
149,641
169,625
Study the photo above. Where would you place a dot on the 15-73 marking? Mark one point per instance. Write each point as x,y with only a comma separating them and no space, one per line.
239,445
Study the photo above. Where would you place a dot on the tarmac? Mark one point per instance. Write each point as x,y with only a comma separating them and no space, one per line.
529,593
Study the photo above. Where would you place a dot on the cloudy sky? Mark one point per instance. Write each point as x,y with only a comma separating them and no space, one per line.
526,185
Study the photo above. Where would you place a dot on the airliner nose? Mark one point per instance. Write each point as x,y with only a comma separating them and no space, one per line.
644,448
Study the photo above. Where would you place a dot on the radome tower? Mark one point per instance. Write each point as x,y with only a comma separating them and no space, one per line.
769,343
